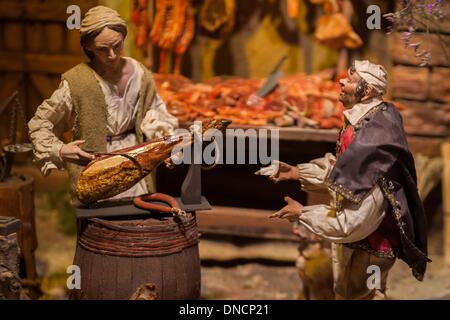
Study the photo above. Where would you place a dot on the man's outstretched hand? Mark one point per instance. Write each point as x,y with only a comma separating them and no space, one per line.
279,171
291,211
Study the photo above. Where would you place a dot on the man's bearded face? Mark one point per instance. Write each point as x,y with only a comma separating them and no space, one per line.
349,95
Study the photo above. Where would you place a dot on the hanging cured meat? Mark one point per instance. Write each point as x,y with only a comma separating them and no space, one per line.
218,16
334,30
140,22
172,31
185,38
293,8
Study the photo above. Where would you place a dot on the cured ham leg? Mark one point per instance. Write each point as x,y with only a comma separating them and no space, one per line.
112,174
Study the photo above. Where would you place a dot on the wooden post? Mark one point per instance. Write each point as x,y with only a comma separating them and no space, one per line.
446,199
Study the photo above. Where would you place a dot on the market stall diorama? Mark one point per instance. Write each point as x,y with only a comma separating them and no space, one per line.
99,97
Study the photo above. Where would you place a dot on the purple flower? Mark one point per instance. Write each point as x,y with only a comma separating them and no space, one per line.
406,38
425,59
406,35
420,54
413,14
414,45
389,17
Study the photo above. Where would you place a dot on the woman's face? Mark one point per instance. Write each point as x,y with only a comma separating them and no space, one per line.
107,47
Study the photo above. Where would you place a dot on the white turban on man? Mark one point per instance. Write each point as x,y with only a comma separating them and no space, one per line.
375,75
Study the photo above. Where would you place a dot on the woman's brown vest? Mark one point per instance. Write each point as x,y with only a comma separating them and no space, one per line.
91,113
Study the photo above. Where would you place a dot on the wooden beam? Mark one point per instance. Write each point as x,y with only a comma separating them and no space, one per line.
30,62
56,64
252,223
11,61
446,200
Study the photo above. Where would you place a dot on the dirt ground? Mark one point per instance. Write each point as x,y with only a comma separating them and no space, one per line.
264,270
263,281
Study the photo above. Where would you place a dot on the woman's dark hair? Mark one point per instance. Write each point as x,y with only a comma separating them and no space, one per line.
88,38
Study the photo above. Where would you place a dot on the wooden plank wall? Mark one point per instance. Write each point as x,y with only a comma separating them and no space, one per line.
35,48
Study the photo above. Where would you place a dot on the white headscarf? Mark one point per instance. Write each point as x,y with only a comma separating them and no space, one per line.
374,74
99,17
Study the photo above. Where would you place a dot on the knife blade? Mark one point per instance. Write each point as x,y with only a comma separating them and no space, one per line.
272,79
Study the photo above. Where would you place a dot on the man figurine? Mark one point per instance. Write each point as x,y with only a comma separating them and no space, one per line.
375,214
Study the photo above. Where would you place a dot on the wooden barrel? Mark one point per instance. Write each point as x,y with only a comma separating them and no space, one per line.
151,258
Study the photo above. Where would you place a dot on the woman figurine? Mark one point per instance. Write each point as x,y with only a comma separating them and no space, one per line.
109,103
